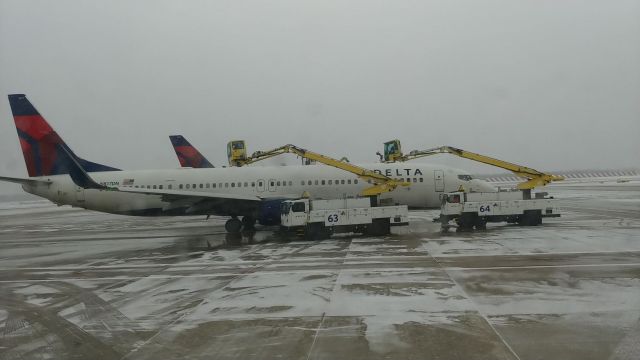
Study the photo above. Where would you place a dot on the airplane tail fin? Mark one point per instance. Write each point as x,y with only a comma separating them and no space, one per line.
188,155
45,153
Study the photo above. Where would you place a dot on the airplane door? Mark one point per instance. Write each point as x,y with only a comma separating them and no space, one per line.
260,186
272,185
438,178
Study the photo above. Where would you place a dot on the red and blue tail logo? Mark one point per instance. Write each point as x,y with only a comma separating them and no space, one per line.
188,155
41,145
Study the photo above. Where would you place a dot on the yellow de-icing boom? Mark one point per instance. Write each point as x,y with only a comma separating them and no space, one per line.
534,177
382,183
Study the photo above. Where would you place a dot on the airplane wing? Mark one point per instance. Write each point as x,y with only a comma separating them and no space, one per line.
24,181
195,202
174,195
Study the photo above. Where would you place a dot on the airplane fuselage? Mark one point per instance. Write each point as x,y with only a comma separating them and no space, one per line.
266,182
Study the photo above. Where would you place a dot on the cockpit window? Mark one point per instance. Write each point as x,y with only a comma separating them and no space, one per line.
465,177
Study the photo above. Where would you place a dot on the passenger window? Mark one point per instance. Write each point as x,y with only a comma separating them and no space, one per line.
355,181
322,182
302,182
415,180
253,184
349,181
337,182
213,185
207,185
233,184
246,184
160,187
194,186
316,182
180,186
188,186
169,186
260,183
201,186
136,186
290,183
330,182
239,184
226,185
278,183
421,180
309,182
342,182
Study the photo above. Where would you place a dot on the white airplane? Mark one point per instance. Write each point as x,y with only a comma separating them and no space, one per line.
251,192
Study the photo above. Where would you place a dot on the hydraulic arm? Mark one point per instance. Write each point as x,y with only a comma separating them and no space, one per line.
381,182
534,177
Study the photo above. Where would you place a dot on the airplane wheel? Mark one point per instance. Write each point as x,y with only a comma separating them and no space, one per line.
233,225
248,222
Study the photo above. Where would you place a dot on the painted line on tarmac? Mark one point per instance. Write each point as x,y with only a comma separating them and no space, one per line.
543,266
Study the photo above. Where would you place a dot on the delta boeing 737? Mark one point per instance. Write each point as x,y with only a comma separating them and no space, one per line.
246,194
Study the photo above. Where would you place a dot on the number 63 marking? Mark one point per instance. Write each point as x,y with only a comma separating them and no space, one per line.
332,218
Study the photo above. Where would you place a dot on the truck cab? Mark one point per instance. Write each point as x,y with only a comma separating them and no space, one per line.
294,212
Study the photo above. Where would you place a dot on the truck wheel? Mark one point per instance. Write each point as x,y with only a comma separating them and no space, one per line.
481,224
379,227
530,218
315,231
466,222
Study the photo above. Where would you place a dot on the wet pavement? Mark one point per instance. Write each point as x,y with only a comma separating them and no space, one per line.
76,284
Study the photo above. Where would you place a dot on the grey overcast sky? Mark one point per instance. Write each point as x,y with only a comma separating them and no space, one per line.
546,83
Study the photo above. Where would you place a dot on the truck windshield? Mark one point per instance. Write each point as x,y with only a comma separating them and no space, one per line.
298,207
465,177
285,207
453,199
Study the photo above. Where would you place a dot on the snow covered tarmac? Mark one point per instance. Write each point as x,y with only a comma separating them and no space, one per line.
78,284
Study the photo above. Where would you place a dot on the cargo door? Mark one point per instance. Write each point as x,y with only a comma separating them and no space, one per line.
438,178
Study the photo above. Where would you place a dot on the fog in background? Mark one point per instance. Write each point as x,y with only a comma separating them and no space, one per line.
545,83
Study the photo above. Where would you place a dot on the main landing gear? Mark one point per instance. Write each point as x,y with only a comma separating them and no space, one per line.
235,225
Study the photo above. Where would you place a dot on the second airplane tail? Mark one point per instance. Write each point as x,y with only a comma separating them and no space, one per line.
188,155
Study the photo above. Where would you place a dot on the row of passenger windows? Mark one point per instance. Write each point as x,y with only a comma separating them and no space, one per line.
272,183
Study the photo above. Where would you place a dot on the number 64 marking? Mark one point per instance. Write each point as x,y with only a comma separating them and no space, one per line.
485,208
